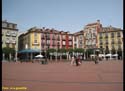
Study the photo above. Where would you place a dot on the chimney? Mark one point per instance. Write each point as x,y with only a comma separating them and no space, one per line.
43,28
98,21
5,20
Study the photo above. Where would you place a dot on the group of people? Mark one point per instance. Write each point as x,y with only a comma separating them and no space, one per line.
76,61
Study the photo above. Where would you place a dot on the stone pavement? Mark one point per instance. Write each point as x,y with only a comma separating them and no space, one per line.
61,76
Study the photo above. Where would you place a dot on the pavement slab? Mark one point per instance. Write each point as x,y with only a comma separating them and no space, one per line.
61,76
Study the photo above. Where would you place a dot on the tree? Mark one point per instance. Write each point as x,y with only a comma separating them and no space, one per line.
7,51
51,50
79,50
107,50
63,50
113,50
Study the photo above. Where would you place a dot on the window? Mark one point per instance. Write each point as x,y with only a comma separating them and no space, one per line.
119,41
63,36
64,42
53,36
118,34
35,41
107,47
10,25
113,41
48,36
8,33
14,26
13,33
106,35
70,43
100,34
106,41
7,45
13,46
119,46
112,35
7,40
48,41
42,36
101,47
113,47
35,34
4,24
80,37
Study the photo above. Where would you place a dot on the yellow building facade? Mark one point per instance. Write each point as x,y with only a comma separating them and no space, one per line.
111,38
30,40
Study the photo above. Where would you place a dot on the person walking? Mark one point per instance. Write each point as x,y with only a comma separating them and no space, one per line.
77,64
96,59
72,60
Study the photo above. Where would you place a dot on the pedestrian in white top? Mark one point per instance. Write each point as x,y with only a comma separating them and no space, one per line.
72,60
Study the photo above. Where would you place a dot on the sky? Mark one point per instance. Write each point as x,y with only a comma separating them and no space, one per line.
62,15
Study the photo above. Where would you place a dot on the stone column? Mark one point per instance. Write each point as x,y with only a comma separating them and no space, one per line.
67,55
122,54
10,56
84,56
116,56
56,56
110,56
104,55
31,57
16,57
94,53
3,56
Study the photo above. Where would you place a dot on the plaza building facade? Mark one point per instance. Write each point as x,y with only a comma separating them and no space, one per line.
78,40
92,36
91,32
44,38
30,39
9,35
9,38
111,40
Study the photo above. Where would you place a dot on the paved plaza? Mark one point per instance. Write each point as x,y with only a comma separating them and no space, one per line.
61,76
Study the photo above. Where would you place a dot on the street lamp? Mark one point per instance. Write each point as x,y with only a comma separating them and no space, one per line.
46,47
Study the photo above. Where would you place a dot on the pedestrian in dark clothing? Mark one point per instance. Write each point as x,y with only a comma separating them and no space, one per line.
77,64
96,60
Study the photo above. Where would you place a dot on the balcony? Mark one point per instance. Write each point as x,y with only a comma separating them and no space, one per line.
106,36
8,34
100,37
58,43
43,44
119,42
101,43
53,38
7,41
35,43
48,38
106,43
48,44
58,38
43,37
63,38
13,41
112,36
118,35
53,44
70,39
113,42
14,34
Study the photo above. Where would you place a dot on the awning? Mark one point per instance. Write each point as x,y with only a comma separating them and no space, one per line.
115,55
109,55
101,55
29,51
39,56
